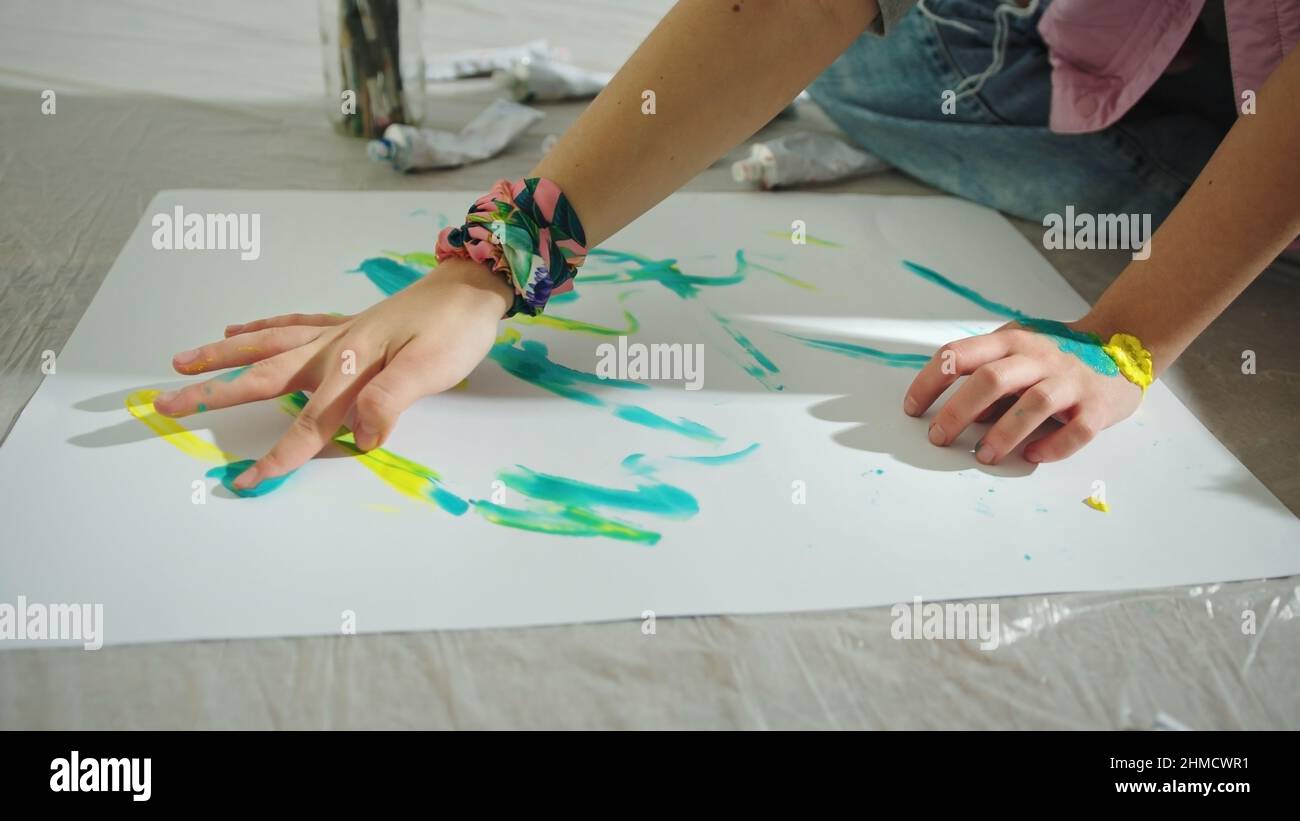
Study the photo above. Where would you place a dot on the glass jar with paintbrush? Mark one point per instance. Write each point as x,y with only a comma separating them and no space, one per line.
373,62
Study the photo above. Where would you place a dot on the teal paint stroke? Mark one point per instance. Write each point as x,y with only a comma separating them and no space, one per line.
229,472
970,295
649,495
759,366
638,415
388,275
232,375
915,361
667,273
559,520
720,459
1086,347
529,360
559,505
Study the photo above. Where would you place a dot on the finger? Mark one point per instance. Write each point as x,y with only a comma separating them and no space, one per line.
996,410
285,320
948,363
243,349
986,385
1065,442
412,373
267,379
313,427
1034,407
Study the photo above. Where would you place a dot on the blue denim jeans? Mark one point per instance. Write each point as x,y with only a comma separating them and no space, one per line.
995,148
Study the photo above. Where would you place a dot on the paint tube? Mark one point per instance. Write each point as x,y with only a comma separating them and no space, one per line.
408,148
545,80
803,158
480,62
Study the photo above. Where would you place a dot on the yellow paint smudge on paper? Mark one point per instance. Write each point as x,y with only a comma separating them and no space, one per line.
1097,504
140,405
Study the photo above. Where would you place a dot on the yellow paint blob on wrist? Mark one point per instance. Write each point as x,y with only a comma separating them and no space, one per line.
1097,504
1133,360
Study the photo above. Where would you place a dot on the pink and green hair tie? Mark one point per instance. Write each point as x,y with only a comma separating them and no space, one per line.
527,231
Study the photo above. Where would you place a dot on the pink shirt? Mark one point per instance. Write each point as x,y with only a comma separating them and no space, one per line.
1106,54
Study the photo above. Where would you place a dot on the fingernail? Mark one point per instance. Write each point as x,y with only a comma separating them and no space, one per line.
365,437
230,329
247,479
165,398
186,357
1031,457
937,435
984,454
909,406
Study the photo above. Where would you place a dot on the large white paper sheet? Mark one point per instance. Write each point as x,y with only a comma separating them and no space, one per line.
843,503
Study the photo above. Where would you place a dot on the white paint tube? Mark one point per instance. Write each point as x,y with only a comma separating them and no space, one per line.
484,61
805,157
408,148
545,80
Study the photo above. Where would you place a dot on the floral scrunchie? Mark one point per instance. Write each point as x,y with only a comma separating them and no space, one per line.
527,231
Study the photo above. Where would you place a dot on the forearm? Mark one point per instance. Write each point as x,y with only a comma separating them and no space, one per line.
1239,214
717,76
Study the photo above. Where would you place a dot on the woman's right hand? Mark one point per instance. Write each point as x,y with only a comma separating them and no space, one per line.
420,341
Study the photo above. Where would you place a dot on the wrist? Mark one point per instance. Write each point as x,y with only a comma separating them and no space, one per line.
481,285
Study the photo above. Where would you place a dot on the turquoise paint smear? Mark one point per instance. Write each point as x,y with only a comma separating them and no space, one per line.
560,299
648,497
637,464
202,408
529,360
1084,346
559,505
388,275
968,294
761,367
229,472
915,361
558,520
666,272
640,416
403,475
232,375
419,211
721,459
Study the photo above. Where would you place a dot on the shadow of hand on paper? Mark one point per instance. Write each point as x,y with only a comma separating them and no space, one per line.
244,431
880,426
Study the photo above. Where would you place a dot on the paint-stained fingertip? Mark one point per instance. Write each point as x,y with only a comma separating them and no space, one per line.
247,479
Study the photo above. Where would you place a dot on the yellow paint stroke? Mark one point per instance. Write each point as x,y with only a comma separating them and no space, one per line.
789,237
1097,504
407,477
424,258
196,367
140,405
560,323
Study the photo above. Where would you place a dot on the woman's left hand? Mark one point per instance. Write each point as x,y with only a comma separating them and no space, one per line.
1028,371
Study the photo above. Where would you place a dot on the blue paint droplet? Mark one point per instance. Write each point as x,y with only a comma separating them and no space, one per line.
1027,557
